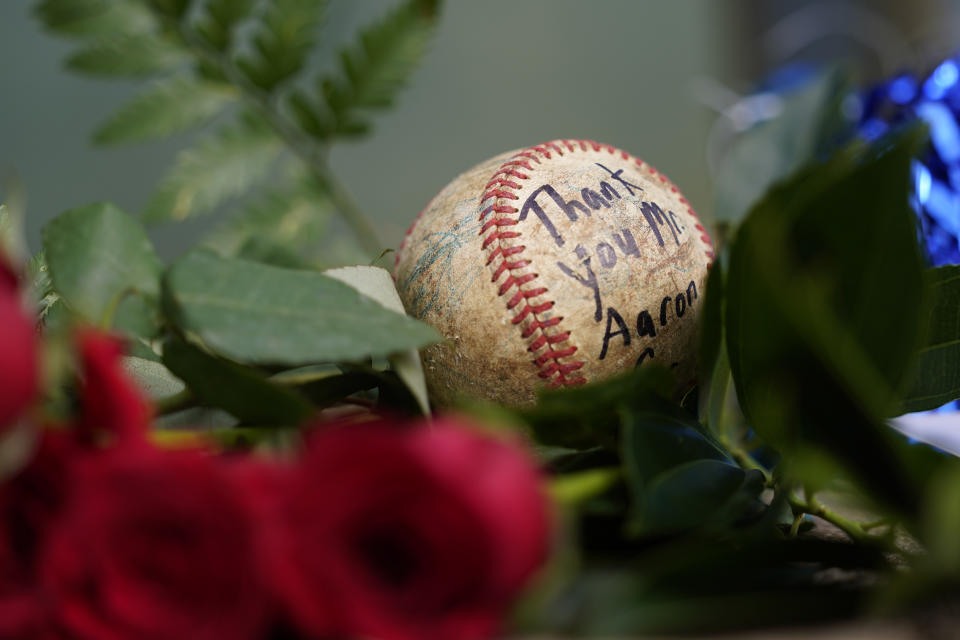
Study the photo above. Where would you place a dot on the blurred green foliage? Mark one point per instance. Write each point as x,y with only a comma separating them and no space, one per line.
819,321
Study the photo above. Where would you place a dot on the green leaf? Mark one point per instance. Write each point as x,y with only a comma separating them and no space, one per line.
83,18
167,107
696,494
241,391
656,441
378,285
823,312
810,123
710,339
133,55
286,33
936,377
224,165
372,71
172,8
574,489
137,316
220,19
95,255
293,217
257,313
154,378
591,415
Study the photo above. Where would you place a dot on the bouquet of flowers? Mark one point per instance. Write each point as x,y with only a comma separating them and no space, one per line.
240,443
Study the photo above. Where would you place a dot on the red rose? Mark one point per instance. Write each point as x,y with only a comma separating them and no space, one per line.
19,374
111,404
154,545
408,534
30,503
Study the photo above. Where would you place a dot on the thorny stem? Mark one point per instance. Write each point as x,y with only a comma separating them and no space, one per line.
857,531
850,527
314,156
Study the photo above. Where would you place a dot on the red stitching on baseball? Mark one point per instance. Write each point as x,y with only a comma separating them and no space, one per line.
551,369
498,209
499,193
502,183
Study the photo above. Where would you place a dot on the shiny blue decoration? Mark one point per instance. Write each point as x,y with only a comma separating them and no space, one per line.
935,99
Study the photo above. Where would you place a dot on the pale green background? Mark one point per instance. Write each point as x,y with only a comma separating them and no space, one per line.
501,74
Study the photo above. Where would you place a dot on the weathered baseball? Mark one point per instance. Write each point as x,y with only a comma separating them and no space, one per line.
554,266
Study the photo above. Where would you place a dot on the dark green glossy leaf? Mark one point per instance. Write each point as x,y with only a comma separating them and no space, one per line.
241,391
95,255
936,378
656,441
810,122
258,313
695,494
823,312
710,339
588,416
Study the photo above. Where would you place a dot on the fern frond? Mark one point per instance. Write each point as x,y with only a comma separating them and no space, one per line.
294,216
221,17
175,9
170,106
227,164
373,71
286,34
128,55
85,18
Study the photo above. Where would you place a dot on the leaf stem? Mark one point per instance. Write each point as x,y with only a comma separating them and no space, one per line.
177,402
852,528
311,154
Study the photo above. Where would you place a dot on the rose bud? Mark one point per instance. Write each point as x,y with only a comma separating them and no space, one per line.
111,403
19,365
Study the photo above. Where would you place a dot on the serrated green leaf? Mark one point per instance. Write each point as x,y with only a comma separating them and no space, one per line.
286,33
372,71
83,18
170,106
224,165
132,55
243,392
823,313
810,122
936,376
293,217
171,8
256,313
97,253
220,19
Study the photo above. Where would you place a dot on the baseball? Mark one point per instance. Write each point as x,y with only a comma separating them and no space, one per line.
554,266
